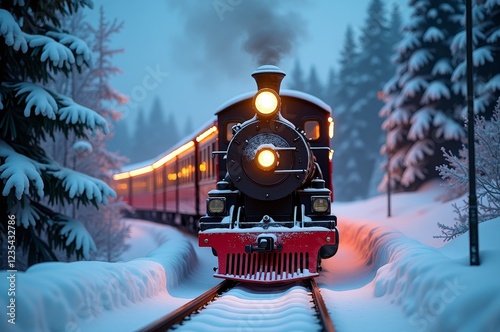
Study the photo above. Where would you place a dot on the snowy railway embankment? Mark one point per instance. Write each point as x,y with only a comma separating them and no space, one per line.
62,296
436,288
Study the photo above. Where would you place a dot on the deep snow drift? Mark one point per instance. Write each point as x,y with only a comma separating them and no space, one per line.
390,275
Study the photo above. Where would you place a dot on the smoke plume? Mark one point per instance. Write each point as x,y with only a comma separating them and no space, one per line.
235,35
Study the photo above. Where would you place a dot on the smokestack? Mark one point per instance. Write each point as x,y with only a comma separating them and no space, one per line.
268,76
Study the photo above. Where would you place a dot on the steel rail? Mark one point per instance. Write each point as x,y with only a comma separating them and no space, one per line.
324,316
178,315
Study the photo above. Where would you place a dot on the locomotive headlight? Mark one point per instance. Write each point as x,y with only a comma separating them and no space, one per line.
320,204
266,158
216,205
267,102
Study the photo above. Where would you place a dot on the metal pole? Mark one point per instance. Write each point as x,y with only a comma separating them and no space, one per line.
388,183
473,222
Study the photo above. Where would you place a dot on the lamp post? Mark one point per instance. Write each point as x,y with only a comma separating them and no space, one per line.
473,222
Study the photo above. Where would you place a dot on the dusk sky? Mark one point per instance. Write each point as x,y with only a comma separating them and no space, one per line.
194,55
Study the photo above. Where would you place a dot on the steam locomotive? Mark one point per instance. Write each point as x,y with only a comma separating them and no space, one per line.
258,179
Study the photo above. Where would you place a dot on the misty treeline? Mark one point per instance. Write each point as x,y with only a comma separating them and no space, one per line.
152,134
399,93
56,114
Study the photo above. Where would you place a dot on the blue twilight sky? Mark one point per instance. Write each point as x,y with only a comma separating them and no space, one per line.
195,54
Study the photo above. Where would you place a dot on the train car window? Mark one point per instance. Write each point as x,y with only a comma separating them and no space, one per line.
159,179
122,188
229,129
312,129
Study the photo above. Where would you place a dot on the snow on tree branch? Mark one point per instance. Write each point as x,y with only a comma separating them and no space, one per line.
18,172
413,86
442,67
38,97
74,113
417,152
482,55
436,90
78,46
76,231
60,55
27,214
83,186
433,34
419,59
447,127
53,105
10,30
420,123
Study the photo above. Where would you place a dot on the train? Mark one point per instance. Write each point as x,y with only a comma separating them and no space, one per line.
255,183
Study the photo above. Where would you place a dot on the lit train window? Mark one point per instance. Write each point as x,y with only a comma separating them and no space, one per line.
312,129
229,129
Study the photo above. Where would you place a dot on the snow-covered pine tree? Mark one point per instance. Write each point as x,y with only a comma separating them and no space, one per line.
486,55
456,173
422,110
359,97
347,140
34,49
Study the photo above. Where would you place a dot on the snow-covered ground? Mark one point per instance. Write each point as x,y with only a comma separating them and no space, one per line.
390,274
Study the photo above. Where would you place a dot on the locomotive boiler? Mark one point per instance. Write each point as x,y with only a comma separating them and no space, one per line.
269,218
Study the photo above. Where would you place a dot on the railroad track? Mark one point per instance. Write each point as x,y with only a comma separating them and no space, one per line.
237,306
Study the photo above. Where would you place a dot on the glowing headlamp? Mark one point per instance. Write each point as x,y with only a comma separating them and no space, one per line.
267,158
267,102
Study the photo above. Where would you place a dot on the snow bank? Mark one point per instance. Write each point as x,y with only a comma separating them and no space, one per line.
64,295
435,288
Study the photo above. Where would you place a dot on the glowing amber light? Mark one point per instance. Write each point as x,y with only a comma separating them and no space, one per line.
266,159
206,134
331,127
266,102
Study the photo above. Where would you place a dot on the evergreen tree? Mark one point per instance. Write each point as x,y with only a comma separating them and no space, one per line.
157,138
297,81
395,26
314,86
347,140
486,48
122,139
362,73
172,131
332,86
188,127
139,145
394,36
422,110
34,50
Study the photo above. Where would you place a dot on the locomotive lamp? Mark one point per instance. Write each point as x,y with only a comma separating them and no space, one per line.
267,158
267,102
216,205
320,204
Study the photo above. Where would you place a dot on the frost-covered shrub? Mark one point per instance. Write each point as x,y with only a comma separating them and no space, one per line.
456,173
